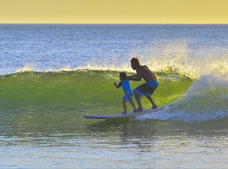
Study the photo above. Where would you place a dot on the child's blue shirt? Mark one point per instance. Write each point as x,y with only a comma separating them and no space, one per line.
125,85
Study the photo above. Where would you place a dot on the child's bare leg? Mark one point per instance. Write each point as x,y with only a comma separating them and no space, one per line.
124,106
133,105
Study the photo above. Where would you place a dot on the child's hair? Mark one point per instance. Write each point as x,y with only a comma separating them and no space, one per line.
123,75
135,60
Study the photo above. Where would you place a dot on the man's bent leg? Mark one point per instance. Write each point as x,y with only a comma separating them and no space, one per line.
154,106
137,98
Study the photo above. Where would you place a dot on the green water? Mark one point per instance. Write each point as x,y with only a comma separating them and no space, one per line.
78,91
43,102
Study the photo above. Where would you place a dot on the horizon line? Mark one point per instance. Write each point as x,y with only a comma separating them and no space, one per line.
116,23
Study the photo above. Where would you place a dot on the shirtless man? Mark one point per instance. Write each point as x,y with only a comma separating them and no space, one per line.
147,88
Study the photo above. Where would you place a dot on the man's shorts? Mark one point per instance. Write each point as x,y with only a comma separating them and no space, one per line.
146,88
128,96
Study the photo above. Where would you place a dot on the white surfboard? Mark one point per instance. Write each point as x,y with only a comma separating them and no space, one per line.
128,115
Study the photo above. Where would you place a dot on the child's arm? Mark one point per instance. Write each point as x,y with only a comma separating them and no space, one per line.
119,85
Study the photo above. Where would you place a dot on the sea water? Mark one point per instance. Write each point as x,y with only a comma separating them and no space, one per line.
53,75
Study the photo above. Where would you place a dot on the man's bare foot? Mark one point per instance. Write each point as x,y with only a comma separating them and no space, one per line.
139,109
124,113
154,107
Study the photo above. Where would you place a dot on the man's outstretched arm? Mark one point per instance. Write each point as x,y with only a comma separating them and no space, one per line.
134,78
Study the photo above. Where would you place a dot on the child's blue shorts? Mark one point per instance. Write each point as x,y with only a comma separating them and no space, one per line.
128,96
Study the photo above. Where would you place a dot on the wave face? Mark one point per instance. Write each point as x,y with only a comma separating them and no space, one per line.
80,92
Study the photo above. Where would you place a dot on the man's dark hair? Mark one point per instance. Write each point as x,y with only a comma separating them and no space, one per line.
135,60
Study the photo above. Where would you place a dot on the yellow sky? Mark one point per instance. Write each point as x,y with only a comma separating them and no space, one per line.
114,11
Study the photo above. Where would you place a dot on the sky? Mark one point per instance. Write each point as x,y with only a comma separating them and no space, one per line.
114,11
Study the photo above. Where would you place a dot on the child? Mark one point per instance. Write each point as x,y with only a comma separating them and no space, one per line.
127,90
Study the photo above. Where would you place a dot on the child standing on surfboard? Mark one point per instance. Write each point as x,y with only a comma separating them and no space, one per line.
128,93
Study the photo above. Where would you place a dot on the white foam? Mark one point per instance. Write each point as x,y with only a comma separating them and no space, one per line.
206,99
176,56
28,67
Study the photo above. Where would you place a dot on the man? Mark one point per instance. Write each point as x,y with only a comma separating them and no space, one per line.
147,88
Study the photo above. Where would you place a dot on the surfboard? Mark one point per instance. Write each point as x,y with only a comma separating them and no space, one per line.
129,115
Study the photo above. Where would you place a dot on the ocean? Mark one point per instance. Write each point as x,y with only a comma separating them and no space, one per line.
51,76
